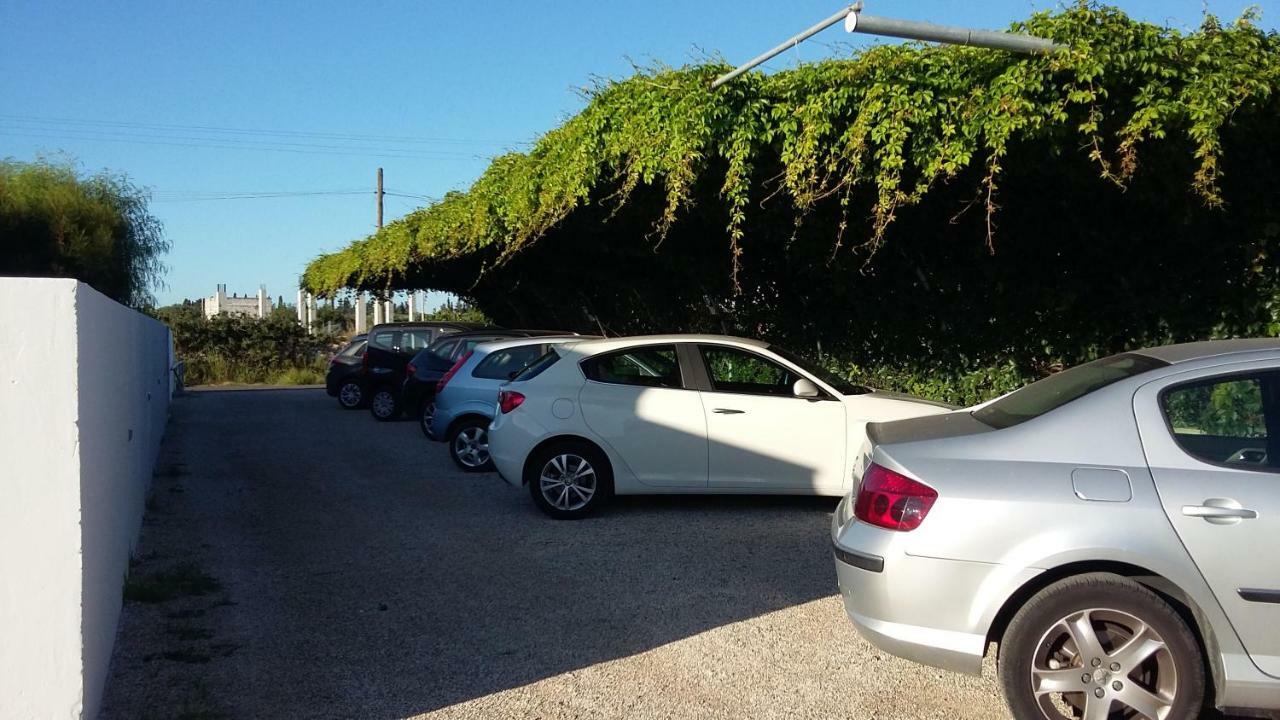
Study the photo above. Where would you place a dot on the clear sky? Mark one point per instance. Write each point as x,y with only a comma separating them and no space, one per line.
205,103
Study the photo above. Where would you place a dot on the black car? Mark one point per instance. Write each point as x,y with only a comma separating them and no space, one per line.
427,367
343,379
390,347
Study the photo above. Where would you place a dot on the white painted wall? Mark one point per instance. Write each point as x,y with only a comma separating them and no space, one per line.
84,396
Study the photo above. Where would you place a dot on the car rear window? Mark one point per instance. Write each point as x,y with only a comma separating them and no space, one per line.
1057,390
506,363
535,368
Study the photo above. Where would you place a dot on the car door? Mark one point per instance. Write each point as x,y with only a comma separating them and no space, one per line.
637,401
760,435
1212,440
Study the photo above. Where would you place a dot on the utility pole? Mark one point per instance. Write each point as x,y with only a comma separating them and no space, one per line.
379,198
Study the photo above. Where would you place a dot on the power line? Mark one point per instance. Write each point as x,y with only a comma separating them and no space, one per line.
229,144
161,197
353,137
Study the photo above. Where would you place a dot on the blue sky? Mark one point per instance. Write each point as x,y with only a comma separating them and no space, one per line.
199,100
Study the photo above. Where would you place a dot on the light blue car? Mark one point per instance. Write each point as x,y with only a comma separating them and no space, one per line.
467,396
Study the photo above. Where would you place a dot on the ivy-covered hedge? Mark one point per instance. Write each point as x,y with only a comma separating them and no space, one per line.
943,219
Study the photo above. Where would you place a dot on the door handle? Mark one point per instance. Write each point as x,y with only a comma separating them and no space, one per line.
728,411
1222,510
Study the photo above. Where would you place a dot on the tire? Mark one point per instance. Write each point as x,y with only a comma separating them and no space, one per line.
583,493
350,395
426,411
1040,650
469,445
384,405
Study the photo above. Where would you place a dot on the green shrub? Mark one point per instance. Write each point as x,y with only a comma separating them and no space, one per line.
227,349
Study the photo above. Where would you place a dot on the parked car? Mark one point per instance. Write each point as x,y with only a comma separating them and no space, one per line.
423,374
343,377
390,347
1113,527
681,414
466,397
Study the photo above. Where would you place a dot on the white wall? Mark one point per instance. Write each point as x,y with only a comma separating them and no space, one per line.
84,395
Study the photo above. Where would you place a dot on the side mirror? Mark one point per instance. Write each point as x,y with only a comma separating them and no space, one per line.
806,389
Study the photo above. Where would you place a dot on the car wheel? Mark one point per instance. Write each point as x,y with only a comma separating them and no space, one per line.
350,395
569,480
469,445
426,413
1099,646
384,405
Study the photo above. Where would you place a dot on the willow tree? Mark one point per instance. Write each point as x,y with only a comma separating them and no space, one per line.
904,207
98,229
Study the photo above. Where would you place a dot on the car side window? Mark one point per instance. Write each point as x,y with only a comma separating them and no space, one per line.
736,371
415,340
1221,421
503,364
445,349
649,366
385,340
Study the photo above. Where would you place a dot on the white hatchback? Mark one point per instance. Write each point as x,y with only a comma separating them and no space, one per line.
681,414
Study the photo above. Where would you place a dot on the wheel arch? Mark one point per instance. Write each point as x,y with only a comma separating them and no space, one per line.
1182,602
563,437
457,422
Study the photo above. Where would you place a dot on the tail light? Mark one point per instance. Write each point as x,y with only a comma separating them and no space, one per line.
509,400
410,370
892,500
452,371
364,361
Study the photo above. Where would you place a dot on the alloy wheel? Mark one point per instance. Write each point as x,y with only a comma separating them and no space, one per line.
471,446
1099,663
383,404
568,482
350,395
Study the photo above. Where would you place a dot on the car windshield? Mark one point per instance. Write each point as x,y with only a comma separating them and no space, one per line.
1057,390
842,385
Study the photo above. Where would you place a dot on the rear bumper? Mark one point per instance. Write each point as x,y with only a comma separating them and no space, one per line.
440,423
512,436
928,610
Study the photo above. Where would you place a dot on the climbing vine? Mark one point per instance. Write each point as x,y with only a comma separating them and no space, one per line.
898,119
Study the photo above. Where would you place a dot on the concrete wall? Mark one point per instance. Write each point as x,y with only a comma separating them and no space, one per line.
84,396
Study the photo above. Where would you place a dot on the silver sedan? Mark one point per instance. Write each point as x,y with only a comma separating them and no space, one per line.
1114,527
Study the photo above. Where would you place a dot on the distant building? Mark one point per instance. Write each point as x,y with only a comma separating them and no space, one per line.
258,306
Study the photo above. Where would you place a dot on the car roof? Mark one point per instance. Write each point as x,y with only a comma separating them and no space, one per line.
432,324
607,344
1186,352
495,345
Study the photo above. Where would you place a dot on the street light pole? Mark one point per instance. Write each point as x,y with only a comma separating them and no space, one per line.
856,21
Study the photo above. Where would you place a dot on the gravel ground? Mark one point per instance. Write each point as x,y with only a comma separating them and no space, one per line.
363,576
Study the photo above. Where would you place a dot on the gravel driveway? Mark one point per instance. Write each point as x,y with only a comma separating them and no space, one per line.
361,575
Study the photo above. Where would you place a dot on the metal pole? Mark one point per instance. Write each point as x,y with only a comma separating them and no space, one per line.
856,21
792,42
916,30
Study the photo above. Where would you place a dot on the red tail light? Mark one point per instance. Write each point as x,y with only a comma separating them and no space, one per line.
364,361
453,370
892,500
509,400
410,370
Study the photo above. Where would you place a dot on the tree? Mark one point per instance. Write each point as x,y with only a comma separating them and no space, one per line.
97,229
